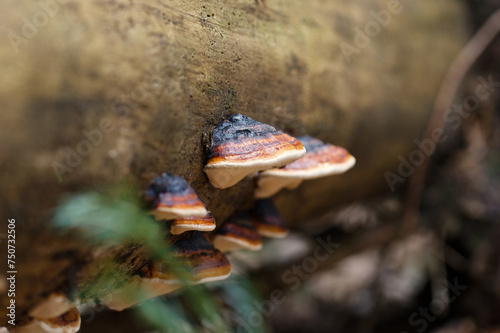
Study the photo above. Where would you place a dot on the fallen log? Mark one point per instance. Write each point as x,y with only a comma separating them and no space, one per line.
95,92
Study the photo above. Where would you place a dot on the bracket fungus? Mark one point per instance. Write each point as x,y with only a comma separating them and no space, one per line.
172,197
206,223
68,322
207,262
241,145
54,305
237,233
321,160
196,251
267,220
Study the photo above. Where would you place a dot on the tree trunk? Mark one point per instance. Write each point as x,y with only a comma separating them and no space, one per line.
97,91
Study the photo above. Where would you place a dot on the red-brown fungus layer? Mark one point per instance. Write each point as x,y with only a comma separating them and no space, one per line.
169,190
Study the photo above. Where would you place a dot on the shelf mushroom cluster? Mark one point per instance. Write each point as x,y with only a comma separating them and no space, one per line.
240,147
172,199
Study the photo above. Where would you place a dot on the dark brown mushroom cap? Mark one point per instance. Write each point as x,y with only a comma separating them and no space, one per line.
208,263
206,223
321,160
241,145
170,196
267,220
195,250
236,233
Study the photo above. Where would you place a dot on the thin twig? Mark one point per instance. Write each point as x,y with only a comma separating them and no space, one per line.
447,92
